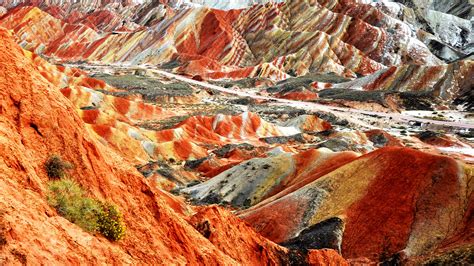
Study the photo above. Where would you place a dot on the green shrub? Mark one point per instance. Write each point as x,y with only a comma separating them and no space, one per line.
110,222
71,202
56,167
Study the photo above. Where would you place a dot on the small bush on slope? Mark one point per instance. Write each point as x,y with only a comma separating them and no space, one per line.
71,202
56,167
110,222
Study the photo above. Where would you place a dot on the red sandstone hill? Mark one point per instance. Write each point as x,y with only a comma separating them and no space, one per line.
300,181
391,202
36,121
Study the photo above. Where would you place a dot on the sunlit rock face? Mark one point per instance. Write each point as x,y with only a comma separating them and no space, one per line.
173,3
3,10
459,8
393,33
273,41
352,193
91,3
405,47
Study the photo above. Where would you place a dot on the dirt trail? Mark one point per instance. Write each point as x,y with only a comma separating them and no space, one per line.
342,111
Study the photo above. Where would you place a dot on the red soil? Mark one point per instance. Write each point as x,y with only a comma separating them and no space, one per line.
409,186
278,225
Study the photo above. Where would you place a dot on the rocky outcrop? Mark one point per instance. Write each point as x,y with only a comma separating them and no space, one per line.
327,234
253,181
443,25
216,224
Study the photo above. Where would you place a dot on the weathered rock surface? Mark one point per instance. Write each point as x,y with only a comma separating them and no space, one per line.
307,171
37,121
255,180
413,87
444,26
275,41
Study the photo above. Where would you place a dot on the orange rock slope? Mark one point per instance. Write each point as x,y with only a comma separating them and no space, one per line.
37,120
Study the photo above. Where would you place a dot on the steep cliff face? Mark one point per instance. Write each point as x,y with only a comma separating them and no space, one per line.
36,121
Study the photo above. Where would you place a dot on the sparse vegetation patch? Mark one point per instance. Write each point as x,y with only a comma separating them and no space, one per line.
56,167
71,202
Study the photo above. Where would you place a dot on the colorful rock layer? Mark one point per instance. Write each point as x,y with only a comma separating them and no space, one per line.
308,185
388,203
37,121
345,39
410,86
273,40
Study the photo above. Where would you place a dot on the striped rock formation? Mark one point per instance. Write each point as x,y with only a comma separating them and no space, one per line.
236,4
116,122
411,86
255,180
309,185
260,165
37,121
40,31
262,173
211,145
389,204
113,120
274,41
91,4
